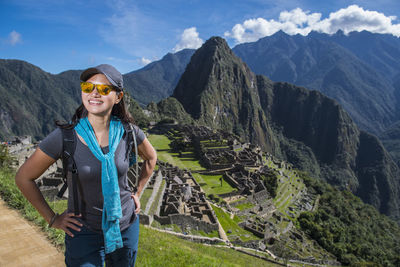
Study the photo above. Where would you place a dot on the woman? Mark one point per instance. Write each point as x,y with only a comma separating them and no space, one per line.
107,228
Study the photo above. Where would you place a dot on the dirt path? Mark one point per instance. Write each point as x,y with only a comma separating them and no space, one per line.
23,244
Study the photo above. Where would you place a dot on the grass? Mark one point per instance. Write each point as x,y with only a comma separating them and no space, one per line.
161,249
145,197
232,224
212,185
164,153
245,206
154,205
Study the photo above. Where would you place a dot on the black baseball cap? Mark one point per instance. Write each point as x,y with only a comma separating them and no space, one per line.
111,73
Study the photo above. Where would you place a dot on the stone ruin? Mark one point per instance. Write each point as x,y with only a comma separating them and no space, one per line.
183,202
245,181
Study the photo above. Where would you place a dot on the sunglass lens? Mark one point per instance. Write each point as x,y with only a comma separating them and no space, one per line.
103,89
87,87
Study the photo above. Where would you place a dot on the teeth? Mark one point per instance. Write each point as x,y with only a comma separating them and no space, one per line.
95,102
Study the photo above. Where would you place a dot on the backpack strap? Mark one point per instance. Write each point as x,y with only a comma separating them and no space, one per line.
69,146
129,128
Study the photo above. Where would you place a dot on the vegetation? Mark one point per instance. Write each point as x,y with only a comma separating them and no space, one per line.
187,160
211,184
231,227
354,232
155,249
5,159
271,183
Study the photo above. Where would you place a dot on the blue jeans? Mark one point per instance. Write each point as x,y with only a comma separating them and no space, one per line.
86,248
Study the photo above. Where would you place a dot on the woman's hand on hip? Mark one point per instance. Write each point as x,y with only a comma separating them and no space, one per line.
137,202
67,220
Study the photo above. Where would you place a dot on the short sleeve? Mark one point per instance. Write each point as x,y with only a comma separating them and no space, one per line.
140,136
52,144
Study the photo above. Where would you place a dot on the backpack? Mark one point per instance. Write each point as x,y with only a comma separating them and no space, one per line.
69,145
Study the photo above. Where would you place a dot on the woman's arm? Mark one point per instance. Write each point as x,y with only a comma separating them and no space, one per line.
25,178
149,155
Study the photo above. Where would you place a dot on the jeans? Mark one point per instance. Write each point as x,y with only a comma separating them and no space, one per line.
86,248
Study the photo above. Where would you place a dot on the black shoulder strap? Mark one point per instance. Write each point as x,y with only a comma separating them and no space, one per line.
69,146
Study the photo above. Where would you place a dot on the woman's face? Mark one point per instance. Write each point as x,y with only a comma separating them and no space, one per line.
100,105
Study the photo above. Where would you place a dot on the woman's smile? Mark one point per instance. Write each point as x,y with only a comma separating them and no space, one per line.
95,102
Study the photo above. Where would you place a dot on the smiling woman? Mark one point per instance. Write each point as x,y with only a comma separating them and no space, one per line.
101,222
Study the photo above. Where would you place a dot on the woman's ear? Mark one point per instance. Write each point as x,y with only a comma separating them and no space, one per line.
120,96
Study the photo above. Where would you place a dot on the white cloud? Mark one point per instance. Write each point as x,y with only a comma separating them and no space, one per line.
297,21
14,38
189,39
144,61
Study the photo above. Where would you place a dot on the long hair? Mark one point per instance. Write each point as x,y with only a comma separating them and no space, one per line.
119,110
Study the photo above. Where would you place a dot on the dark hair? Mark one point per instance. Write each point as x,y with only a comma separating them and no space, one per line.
119,110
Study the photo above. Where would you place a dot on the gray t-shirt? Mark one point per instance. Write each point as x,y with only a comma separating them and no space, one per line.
89,170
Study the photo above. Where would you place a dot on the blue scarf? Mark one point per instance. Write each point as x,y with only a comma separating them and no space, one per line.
112,211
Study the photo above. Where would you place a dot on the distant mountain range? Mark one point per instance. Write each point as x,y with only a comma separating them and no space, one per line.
357,70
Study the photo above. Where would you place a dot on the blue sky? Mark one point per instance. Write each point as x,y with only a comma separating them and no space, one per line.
65,34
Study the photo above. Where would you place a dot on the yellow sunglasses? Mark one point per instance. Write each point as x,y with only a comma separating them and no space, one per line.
103,89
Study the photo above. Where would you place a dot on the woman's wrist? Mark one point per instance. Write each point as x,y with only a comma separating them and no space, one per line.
53,219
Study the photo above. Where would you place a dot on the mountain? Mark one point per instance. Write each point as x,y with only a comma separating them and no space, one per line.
391,140
55,97
381,51
158,79
32,99
304,127
320,62
219,90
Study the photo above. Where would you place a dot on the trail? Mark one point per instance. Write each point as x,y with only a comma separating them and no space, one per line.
23,244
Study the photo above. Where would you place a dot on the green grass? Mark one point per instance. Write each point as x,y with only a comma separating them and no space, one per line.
164,153
245,206
232,224
212,185
161,249
159,142
154,205
145,197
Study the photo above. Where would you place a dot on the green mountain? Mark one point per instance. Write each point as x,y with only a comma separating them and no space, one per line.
217,89
32,99
304,127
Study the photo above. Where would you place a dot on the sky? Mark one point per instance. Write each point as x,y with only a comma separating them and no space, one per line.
128,34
